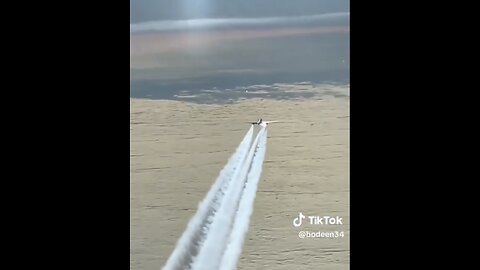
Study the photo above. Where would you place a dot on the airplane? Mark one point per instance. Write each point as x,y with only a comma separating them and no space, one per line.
262,123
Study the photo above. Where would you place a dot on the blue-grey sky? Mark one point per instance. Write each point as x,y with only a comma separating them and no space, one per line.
150,10
226,43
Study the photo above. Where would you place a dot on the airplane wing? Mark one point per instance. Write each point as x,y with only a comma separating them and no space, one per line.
268,122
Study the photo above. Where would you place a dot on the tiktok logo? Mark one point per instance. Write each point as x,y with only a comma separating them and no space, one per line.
297,222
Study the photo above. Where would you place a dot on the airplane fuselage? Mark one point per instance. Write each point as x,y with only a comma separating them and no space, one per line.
262,123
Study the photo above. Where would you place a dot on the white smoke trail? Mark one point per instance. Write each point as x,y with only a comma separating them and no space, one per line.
237,23
210,255
245,209
188,245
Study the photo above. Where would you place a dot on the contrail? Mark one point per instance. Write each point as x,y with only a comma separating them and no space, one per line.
210,255
239,23
188,245
245,209
214,236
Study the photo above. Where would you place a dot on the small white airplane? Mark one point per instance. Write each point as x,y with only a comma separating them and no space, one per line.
262,123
